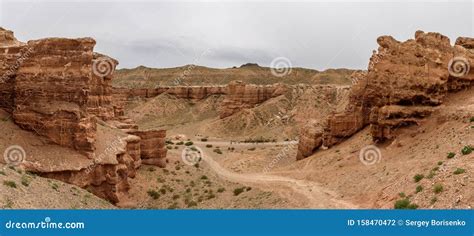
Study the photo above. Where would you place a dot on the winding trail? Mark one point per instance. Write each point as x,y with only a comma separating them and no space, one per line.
315,195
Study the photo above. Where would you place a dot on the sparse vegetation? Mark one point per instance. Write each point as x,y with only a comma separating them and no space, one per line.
459,171
218,151
238,191
189,143
402,195
209,145
153,194
25,180
204,177
451,155
418,177
438,188
466,150
419,188
405,204
55,186
433,200
9,183
3,173
220,190
180,143
440,163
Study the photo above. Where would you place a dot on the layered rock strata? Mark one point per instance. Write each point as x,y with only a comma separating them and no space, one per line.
60,89
404,83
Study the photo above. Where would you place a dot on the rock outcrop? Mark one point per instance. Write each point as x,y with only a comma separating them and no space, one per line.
238,95
241,96
404,83
60,89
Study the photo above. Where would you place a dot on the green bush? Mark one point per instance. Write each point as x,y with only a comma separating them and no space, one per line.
466,150
472,119
405,204
204,177
153,194
438,188
418,177
419,188
451,155
180,143
238,191
10,184
189,143
220,190
440,163
459,171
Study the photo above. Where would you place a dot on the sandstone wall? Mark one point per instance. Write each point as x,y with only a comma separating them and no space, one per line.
152,146
60,89
404,83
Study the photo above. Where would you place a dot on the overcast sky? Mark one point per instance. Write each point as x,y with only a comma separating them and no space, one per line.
167,34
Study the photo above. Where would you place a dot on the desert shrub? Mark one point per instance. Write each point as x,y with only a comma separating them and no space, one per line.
433,200
419,188
440,163
238,191
162,191
218,151
153,194
192,204
466,150
418,177
176,196
169,147
438,188
180,143
402,194
204,140
189,143
431,174
151,169
9,183
55,186
405,204
451,155
175,147
194,149
3,173
204,177
252,149
459,171
472,119
208,145
25,180
169,142
248,189
220,190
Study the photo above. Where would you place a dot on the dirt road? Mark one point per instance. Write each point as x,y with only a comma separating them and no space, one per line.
309,194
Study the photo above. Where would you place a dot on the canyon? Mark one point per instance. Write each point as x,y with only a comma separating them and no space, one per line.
121,133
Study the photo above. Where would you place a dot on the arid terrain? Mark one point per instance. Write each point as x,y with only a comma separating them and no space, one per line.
396,135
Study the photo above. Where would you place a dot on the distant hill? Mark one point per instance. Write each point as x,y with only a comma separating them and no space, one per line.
144,77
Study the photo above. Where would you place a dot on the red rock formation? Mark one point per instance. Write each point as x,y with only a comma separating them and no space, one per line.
404,82
152,146
241,96
60,89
